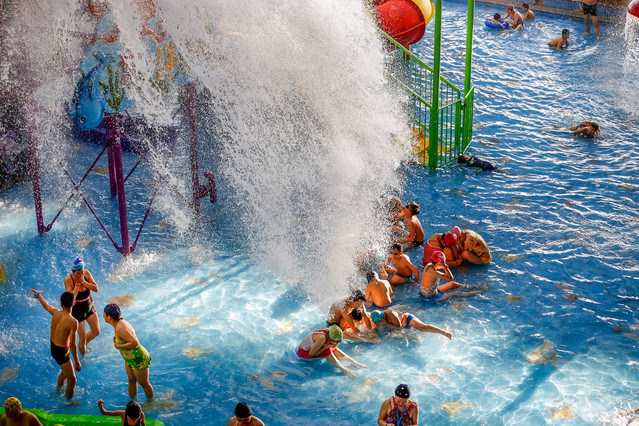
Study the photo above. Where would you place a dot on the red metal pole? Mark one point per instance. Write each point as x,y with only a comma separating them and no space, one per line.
110,162
195,173
112,127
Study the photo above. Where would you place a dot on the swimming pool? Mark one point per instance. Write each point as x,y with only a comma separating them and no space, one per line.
561,221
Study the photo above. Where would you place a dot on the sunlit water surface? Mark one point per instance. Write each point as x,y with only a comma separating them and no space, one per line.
561,220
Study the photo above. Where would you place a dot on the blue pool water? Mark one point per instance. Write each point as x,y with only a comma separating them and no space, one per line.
561,220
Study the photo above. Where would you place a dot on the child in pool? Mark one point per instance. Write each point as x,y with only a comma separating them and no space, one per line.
395,319
561,41
586,129
378,292
132,415
497,20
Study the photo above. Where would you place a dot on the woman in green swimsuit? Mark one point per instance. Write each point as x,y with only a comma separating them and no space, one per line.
136,359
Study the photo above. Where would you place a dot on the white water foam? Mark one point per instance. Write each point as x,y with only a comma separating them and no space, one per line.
304,123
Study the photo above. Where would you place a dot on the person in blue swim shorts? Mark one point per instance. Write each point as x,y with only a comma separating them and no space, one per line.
395,319
436,270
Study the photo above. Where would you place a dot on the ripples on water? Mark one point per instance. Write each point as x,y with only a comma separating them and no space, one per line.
561,220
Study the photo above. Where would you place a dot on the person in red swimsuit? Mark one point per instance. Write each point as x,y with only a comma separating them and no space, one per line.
323,344
399,410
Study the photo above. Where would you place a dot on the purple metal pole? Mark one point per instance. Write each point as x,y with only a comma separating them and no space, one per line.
111,163
112,126
195,173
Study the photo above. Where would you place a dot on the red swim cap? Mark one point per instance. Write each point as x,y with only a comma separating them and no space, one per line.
456,230
438,256
450,239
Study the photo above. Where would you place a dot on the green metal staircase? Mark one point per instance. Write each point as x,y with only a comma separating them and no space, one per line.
437,110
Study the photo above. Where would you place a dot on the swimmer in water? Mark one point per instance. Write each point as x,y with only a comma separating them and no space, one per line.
587,129
561,41
244,416
63,330
473,161
378,292
414,236
14,415
437,270
80,282
137,360
528,14
132,415
395,319
399,266
323,344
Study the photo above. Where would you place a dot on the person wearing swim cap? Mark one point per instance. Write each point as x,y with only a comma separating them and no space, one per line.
137,361
244,416
80,282
323,343
414,235
132,415
436,270
399,409
399,266
14,415
395,319
378,292
446,242
63,330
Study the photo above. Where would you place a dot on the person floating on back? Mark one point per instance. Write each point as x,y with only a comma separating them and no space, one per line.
562,41
586,129
473,161
244,416
437,270
323,343
395,319
132,415
528,14
80,282
63,330
14,415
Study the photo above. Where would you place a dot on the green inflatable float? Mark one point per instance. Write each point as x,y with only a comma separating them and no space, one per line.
48,419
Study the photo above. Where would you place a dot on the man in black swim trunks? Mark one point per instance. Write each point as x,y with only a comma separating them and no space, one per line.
590,11
63,330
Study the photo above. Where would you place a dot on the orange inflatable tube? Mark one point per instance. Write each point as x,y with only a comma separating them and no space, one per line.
404,20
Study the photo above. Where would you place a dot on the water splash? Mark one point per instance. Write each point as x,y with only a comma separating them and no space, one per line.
295,111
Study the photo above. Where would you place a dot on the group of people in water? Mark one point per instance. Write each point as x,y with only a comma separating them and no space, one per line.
349,318
515,20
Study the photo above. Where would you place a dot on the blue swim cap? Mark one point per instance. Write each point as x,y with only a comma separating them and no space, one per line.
77,264
377,316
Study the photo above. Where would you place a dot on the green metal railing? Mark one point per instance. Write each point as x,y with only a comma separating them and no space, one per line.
437,112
